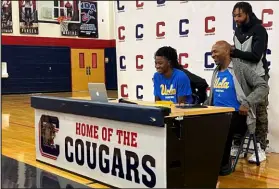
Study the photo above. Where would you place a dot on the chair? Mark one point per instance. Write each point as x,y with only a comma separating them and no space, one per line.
250,137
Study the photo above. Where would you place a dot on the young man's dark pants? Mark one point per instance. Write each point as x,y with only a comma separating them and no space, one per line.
238,127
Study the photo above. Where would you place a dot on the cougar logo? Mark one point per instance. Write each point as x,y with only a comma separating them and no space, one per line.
48,134
48,127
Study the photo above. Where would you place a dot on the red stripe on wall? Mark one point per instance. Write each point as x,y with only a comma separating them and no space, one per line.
64,42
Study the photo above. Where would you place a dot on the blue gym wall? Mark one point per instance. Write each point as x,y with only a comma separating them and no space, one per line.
39,64
34,69
111,69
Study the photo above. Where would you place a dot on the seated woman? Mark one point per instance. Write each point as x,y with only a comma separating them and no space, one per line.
170,83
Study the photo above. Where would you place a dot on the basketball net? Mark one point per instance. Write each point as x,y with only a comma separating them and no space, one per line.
63,24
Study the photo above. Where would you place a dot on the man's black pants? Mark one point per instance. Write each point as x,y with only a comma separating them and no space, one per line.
238,127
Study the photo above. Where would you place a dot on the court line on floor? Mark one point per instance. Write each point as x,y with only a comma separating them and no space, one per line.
92,182
261,176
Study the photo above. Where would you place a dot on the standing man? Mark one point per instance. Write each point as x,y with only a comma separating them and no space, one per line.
250,45
170,83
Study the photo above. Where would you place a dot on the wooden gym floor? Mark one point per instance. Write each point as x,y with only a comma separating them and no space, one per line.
18,143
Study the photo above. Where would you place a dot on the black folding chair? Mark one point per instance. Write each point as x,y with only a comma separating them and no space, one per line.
247,150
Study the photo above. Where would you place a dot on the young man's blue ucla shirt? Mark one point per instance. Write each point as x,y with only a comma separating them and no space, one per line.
169,89
224,93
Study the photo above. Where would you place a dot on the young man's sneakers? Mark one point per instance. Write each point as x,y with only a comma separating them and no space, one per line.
252,158
262,155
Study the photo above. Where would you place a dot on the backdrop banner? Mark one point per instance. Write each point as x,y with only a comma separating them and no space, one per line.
6,17
89,19
191,27
28,17
113,152
71,10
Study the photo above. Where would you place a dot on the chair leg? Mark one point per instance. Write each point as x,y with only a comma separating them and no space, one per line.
256,150
240,149
248,145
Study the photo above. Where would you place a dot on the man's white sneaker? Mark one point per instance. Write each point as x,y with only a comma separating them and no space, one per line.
262,155
234,152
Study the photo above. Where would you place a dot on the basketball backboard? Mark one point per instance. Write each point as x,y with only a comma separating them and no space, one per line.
50,11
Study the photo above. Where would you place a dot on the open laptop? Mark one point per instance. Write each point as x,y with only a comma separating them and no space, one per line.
98,92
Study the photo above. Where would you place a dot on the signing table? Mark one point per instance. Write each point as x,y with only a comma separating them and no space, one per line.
129,145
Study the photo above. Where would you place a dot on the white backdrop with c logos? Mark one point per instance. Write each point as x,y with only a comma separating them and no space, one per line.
191,27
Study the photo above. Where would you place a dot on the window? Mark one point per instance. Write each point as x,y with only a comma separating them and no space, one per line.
58,8
81,60
94,60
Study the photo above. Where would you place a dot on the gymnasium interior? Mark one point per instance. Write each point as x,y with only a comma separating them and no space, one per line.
58,56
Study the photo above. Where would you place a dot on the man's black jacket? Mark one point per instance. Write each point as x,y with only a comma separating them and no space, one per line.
198,86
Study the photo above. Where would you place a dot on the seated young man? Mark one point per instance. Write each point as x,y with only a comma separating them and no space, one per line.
170,83
235,85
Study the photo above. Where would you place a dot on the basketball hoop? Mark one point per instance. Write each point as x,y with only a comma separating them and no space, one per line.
64,22
60,19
